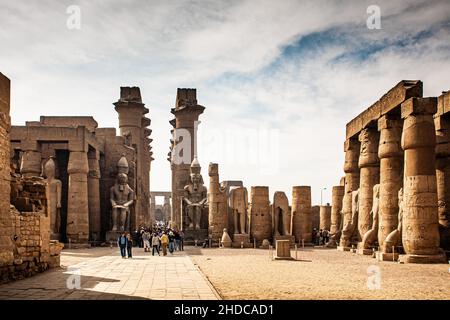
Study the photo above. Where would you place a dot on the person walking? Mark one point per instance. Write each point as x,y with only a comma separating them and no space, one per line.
155,244
171,242
164,243
146,238
122,243
177,240
181,240
129,246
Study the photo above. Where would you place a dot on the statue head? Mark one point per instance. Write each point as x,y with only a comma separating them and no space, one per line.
122,178
196,180
50,169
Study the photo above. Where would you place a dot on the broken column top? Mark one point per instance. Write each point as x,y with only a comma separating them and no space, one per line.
130,94
186,97
4,94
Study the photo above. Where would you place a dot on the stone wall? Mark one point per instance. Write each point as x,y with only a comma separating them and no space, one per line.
6,255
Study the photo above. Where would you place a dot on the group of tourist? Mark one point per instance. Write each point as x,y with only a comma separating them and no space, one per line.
320,237
156,239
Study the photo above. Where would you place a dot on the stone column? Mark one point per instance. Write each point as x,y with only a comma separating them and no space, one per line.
315,218
369,165
31,162
94,195
217,204
78,204
183,146
325,217
351,148
391,176
6,223
420,224
302,214
152,206
442,125
260,218
337,195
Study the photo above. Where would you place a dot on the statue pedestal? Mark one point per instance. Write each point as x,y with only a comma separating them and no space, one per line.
364,251
385,256
283,250
113,236
341,248
200,235
291,239
241,241
422,258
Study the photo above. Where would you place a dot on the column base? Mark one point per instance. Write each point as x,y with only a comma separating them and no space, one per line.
422,258
241,241
385,256
283,258
366,252
341,248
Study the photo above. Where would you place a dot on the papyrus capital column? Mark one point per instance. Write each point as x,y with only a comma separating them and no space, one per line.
420,235
352,177
94,195
391,175
31,162
369,165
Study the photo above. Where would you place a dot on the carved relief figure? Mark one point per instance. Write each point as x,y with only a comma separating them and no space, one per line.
349,229
394,238
370,237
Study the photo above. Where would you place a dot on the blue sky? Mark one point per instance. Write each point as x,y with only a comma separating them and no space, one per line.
279,79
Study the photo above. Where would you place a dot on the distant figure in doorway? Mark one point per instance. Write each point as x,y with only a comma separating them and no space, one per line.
122,243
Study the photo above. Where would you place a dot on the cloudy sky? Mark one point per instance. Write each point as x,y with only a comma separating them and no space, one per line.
279,79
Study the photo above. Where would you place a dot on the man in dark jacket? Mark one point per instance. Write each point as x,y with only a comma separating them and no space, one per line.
122,242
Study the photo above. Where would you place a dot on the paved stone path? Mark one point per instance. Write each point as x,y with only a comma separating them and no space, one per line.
105,275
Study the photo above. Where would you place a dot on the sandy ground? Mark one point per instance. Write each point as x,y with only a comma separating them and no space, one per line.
317,274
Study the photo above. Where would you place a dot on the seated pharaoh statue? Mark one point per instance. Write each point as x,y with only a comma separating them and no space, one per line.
195,197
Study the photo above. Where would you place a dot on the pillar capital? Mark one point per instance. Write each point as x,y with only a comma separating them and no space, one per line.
419,106
369,139
78,163
389,122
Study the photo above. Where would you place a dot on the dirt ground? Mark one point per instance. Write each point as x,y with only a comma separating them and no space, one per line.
318,274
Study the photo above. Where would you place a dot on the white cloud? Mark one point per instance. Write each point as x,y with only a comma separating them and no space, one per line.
226,51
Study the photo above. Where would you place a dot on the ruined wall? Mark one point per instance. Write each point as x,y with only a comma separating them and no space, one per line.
6,255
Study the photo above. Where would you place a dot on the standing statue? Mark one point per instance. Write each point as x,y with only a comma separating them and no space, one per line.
121,196
370,237
53,191
195,196
350,228
394,238
239,206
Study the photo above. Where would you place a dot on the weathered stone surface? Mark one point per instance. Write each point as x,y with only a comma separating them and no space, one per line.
391,174
260,217
352,180
315,217
302,216
186,113
404,90
281,215
420,234
369,176
77,204
283,250
325,217
6,223
238,206
217,204
337,195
